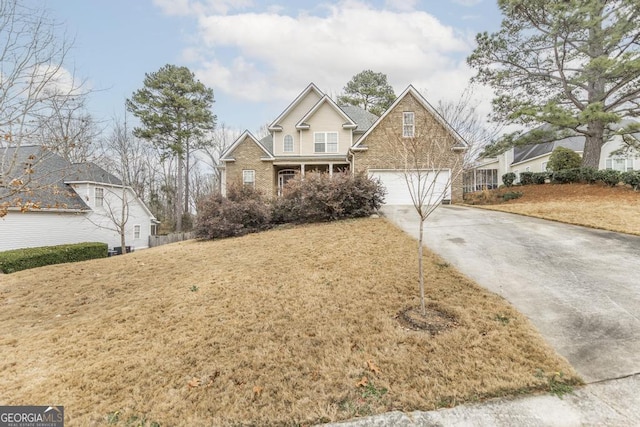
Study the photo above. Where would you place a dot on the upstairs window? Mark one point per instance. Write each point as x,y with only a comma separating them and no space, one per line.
325,142
99,196
288,144
249,178
408,124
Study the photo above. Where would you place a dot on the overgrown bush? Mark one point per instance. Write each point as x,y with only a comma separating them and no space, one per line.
320,197
631,178
563,158
243,211
23,259
609,176
508,178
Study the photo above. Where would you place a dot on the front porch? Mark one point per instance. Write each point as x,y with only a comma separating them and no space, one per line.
284,171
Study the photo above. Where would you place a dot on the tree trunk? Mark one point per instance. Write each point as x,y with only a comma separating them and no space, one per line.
593,145
123,222
595,92
179,193
186,181
423,308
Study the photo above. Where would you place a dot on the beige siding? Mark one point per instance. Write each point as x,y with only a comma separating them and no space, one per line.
325,119
289,122
247,156
534,165
427,130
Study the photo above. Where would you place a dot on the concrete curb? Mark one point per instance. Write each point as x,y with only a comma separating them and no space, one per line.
607,403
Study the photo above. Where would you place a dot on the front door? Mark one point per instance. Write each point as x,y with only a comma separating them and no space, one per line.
283,177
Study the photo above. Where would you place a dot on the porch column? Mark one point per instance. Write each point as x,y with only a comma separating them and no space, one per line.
330,169
302,169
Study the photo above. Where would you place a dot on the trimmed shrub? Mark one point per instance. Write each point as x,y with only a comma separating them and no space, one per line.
566,176
23,259
609,176
511,195
508,178
243,211
631,178
526,178
563,158
540,177
320,197
588,174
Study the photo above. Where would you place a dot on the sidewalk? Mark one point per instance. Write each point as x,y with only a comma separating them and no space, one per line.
613,403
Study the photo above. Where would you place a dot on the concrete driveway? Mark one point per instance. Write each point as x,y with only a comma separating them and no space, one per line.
580,287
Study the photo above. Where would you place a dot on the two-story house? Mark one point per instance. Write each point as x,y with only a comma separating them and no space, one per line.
315,134
61,202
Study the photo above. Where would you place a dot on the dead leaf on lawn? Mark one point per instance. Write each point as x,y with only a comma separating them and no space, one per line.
257,392
363,382
195,382
372,367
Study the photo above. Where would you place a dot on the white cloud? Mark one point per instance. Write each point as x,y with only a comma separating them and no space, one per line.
402,5
275,56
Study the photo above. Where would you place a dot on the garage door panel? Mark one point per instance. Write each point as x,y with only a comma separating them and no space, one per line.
398,189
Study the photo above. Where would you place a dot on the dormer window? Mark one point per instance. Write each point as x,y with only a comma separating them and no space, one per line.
288,144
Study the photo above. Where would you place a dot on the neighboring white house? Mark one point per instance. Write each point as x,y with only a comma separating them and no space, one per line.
534,158
74,203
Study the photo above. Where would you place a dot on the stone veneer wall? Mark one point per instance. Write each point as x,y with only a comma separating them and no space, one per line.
381,155
247,156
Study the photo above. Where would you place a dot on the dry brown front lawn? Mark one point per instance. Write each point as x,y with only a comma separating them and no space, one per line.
286,327
591,205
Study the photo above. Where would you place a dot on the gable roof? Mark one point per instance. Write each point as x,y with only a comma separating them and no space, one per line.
348,124
531,151
246,134
90,172
311,88
49,170
410,90
574,142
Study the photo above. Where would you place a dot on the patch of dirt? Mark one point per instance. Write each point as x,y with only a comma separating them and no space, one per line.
433,321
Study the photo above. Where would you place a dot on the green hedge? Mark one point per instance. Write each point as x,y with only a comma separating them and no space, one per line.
23,259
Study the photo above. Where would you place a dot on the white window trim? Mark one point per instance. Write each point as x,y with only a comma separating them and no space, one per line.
627,166
408,125
137,231
325,142
249,173
96,198
284,144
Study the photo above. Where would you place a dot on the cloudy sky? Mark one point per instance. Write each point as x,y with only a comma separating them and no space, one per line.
258,55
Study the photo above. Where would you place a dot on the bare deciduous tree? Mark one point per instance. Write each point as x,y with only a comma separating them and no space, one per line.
32,76
430,160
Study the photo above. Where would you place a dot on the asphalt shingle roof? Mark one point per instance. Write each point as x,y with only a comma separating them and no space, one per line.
45,175
363,118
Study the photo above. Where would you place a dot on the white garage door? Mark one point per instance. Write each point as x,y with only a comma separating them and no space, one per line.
398,189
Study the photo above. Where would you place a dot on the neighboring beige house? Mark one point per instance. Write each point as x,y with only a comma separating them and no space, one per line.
315,134
534,158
